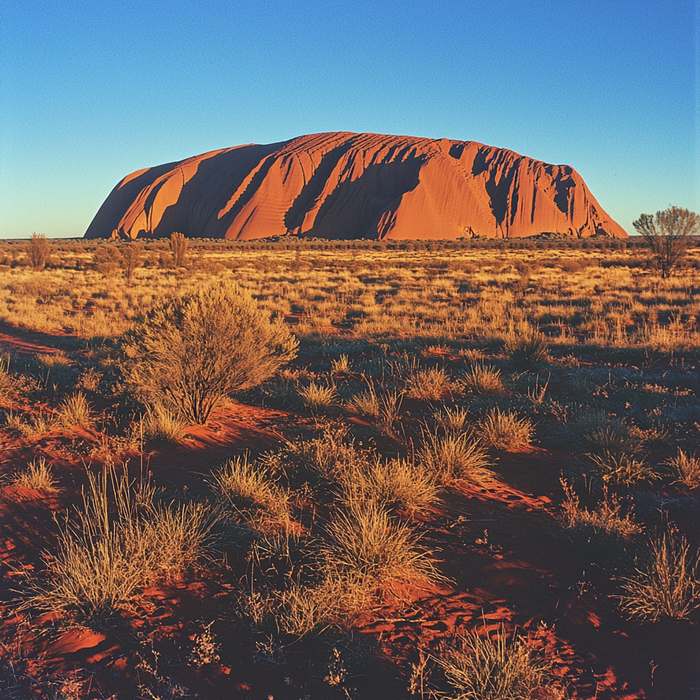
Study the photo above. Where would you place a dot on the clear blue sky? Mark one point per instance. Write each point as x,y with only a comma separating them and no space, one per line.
91,91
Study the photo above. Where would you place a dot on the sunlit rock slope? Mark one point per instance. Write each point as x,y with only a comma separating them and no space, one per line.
342,185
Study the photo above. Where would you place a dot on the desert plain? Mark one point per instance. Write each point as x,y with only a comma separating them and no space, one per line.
476,476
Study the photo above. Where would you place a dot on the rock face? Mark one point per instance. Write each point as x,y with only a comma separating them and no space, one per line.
344,185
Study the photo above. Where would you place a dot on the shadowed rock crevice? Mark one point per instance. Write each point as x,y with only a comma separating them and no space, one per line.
343,185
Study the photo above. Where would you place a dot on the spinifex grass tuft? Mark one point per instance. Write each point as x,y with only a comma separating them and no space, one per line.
685,469
37,475
453,456
504,430
668,585
249,494
112,547
479,668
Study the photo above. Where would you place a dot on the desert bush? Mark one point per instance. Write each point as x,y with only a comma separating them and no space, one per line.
131,255
668,235
527,349
478,668
504,430
37,475
178,247
685,469
482,379
428,384
112,547
38,251
453,456
667,586
249,494
189,353
317,397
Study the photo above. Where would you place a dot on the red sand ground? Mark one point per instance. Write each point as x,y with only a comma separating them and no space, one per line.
499,545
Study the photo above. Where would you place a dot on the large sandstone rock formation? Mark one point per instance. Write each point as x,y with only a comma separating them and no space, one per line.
345,185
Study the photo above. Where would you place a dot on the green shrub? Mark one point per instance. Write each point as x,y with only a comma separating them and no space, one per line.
187,354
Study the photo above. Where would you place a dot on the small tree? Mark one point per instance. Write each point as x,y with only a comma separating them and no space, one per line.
667,236
178,246
39,251
130,259
189,353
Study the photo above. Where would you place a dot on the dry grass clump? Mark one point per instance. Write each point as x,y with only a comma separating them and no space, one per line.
317,397
341,365
479,668
367,546
613,448
249,494
622,468
161,424
383,407
30,426
685,468
605,522
483,379
6,384
37,476
668,586
75,410
595,432
453,456
114,545
452,420
527,349
504,430
396,484
428,384
327,458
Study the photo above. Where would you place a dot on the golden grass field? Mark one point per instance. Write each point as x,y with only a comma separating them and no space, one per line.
479,478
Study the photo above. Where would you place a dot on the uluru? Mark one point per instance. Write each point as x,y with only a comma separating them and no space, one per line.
342,185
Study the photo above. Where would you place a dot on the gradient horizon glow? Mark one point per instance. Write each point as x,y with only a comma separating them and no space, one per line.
90,92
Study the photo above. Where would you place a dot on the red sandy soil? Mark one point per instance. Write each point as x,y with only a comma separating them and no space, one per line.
342,185
499,545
